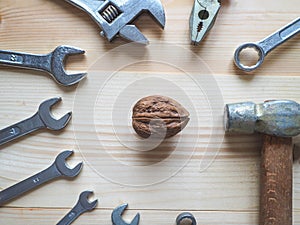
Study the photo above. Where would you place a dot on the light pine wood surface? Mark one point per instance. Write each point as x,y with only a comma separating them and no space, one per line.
212,175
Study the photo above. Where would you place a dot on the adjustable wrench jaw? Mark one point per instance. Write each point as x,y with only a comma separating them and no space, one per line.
115,16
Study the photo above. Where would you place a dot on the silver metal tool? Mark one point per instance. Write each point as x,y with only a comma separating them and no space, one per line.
41,119
57,169
278,118
52,63
116,216
83,205
265,46
185,216
115,16
203,18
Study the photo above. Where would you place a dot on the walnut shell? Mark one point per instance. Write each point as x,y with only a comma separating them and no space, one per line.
167,117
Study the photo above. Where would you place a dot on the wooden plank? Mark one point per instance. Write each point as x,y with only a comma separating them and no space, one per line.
216,178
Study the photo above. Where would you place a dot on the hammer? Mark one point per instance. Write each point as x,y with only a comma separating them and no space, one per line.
278,121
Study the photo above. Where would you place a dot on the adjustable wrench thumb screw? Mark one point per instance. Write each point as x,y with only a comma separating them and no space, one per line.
115,16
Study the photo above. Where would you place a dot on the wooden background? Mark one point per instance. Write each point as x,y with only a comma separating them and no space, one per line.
224,192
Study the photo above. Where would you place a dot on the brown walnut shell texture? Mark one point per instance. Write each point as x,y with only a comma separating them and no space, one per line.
166,115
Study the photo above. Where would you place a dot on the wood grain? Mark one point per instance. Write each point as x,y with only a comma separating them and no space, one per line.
216,177
276,181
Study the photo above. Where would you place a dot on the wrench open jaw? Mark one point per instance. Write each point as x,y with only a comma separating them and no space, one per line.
40,120
61,165
58,58
115,16
83,199
83,205
116,216
52,63
56,170
47,118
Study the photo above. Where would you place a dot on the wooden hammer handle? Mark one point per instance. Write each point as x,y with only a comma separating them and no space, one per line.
276,181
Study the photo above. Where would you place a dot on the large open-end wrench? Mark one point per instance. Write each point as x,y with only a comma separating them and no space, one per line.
58,169
82,206
116,216
115,16
42,119
52,63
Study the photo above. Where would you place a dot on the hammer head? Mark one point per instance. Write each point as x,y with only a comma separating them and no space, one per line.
277,118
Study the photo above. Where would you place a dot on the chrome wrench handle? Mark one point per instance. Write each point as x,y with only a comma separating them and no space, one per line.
25,60
265,46
20,129
29,184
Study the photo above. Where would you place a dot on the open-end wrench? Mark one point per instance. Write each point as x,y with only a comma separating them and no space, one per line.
58,169
116,216
115,16
265,46
42,119
52,63
82,206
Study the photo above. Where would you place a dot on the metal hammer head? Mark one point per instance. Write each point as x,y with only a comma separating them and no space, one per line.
116,216
278,118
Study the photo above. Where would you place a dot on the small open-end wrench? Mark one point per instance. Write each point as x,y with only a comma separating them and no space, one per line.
82,206
42,119
58,169
116,216
52,63
115,16
265,46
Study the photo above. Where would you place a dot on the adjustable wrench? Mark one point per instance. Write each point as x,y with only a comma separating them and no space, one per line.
115,16
82,206
52,63
57,169
42,119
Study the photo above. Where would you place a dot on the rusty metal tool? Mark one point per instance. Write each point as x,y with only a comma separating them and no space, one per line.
115,16
278,121
41,119
116,216
265,46
203,18
58,169
52,63
83,205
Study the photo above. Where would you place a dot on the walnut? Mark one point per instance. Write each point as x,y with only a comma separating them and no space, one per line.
160,116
